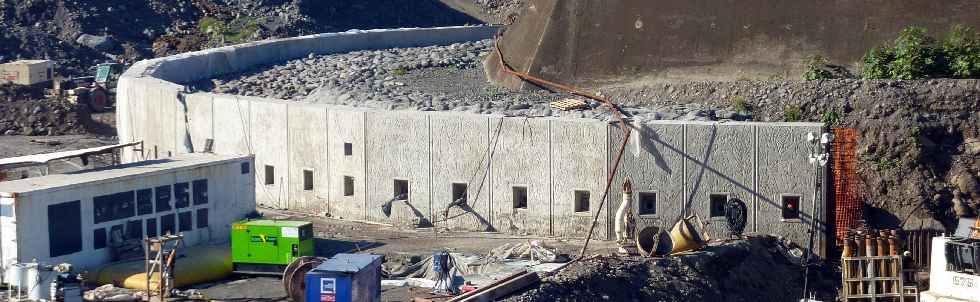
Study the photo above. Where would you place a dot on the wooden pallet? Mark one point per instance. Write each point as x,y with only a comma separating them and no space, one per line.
569,104
874,278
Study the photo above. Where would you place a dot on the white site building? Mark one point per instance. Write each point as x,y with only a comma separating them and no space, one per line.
71,217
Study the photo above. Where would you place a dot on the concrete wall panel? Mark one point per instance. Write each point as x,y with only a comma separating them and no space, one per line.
578,163
126,94
231,125
654,160
461,155
720,162
783,170
346,126
397,147
521,158
200,118
161,111
307,128
269,144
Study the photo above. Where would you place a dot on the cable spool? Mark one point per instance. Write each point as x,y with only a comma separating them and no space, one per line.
736,214
294,277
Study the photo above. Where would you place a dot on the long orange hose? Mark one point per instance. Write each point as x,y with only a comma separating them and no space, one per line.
608,103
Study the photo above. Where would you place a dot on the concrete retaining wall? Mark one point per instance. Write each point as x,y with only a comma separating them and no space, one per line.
683,163
541,176
594,42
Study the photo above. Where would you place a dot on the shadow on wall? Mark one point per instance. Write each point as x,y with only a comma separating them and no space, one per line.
371,14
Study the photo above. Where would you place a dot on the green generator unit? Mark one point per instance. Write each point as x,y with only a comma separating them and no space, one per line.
268,246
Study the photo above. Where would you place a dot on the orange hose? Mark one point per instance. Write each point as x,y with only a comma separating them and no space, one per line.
612,108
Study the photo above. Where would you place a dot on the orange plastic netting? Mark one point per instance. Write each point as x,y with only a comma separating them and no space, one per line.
848,202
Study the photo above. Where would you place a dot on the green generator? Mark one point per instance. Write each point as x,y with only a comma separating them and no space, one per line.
268,246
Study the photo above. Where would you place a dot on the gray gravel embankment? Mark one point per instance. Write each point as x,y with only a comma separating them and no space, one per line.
435,78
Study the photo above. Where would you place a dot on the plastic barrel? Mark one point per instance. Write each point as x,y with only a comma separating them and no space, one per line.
15,274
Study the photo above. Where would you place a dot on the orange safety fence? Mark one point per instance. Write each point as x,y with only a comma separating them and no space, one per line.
848,200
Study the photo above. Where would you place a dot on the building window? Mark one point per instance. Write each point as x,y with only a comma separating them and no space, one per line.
348,186
348,149
134,229
648,203
519,196
270,175
114,206
200,191
202,218
459,192
65,228
99,240
151,227
791,207
246,168
116,235
144,202
168,224
400,189
308,180
163,198
717,202
185,221
7,209
581,201
182,198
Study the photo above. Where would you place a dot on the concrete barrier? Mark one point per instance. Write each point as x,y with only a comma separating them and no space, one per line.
542,176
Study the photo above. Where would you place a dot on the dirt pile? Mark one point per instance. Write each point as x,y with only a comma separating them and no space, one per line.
919,140
25,111
81,33
754,269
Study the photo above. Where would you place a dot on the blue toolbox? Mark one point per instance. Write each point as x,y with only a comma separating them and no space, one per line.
345,278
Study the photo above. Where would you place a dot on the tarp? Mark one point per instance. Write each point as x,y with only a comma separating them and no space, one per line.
42,159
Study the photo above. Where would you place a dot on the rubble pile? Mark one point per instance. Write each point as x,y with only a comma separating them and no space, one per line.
753,269
81,33
41,117
434,78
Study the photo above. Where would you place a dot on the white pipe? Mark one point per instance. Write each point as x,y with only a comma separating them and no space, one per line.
621,220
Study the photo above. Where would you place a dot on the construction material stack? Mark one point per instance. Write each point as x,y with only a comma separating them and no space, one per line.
872,266
268,246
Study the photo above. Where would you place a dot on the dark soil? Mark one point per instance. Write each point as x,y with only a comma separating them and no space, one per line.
756,269
26,111
36,29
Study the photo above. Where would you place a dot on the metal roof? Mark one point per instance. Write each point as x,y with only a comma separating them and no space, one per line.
279,223
346,263
44,158
55,182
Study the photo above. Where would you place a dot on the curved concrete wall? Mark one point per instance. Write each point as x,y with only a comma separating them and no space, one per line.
356,154
598,41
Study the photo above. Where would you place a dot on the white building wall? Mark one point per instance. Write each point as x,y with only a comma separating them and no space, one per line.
230,198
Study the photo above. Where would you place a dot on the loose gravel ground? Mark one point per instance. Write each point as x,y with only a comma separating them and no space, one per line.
434,78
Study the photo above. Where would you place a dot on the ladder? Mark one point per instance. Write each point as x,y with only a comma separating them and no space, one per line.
161,252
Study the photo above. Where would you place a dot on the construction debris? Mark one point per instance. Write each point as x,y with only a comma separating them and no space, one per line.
569,104
752,269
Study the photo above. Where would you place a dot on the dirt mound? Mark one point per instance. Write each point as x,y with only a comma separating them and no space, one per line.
25,110
80,34
755,269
